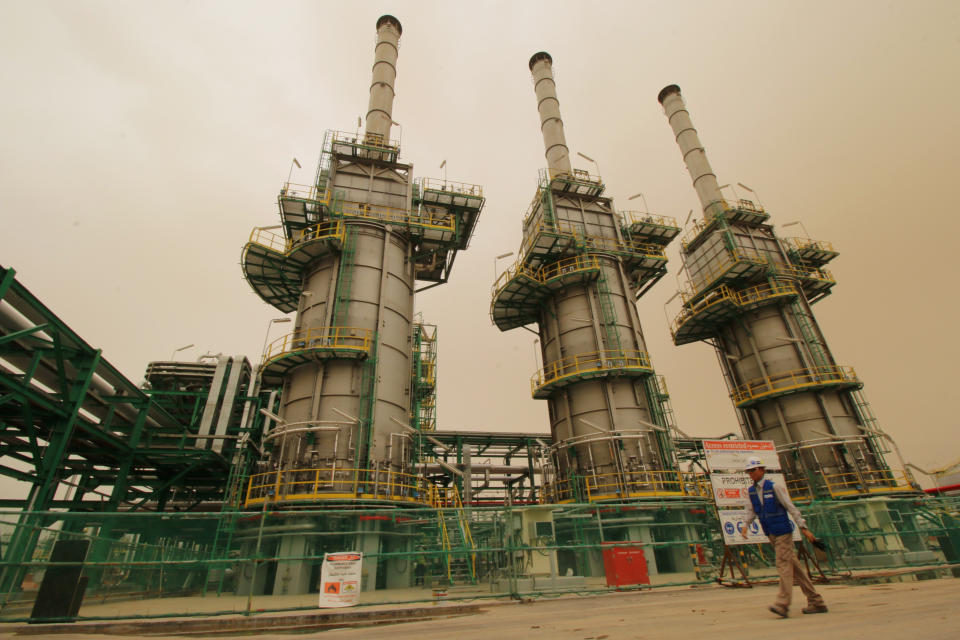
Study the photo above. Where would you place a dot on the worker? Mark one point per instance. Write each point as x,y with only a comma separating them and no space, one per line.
770,503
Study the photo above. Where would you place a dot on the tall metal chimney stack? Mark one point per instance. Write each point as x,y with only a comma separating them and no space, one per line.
380,109
704,180
782,376
558,156
580,268
354,379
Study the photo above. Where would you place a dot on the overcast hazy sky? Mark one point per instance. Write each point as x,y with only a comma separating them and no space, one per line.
142,141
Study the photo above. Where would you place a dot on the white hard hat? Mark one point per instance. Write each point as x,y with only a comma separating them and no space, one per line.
753,463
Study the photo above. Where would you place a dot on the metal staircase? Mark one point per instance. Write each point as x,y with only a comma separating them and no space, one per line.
455,537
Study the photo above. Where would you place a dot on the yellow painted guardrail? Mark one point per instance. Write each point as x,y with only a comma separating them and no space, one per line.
546,273
566,231
620,485
714,270
788,381
392,215
741,298
724,206
870,481
627,484
584,363
630,246
799,244
463,188
576,175
641,217
296,191
803,273
332,338
366,140
277,242
336,484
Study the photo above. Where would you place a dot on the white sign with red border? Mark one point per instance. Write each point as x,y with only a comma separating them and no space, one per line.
340,579
730,489
732,455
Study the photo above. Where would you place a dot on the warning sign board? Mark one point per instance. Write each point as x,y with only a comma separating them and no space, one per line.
732,455
340,579
730,489
731,522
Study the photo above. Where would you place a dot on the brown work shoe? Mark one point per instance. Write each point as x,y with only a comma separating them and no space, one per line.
815,608
781,611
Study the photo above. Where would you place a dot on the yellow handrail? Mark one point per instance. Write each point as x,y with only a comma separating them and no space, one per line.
806,273
642,217
339,338
329,483
724,293
464,188
790,380
547,272
866,481
264,237
366,140
626,484
305,192
630,246
724,205
799,244
541,229
607,360
393,215
716,269
576,175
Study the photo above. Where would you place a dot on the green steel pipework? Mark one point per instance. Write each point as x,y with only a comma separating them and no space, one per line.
24,539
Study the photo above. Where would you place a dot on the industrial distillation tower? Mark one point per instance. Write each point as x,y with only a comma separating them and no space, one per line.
749,294
580,268
353,245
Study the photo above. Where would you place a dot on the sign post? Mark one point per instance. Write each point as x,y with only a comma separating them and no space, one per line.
726,460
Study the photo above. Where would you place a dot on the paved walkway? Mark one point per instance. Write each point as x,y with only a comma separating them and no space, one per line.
925,609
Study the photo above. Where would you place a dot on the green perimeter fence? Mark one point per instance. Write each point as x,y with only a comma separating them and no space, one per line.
131,565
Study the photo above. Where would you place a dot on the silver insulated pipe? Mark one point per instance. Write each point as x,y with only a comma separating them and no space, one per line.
380,109
558,156
704,180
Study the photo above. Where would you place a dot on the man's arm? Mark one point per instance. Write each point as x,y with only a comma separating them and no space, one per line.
750,517
781,492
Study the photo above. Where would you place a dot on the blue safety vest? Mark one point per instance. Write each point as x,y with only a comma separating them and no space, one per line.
772,515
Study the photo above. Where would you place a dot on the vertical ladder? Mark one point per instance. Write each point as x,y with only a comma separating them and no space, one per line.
229,514
368,400
344,279
547,198
809,336
608,312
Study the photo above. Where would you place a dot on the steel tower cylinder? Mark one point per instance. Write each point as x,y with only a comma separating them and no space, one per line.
704,180
580,269
750,293
380,109
551,125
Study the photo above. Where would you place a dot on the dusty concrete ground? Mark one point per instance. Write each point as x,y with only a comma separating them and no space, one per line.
925,609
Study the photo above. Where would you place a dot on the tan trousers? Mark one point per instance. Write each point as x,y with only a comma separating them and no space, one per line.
791,571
